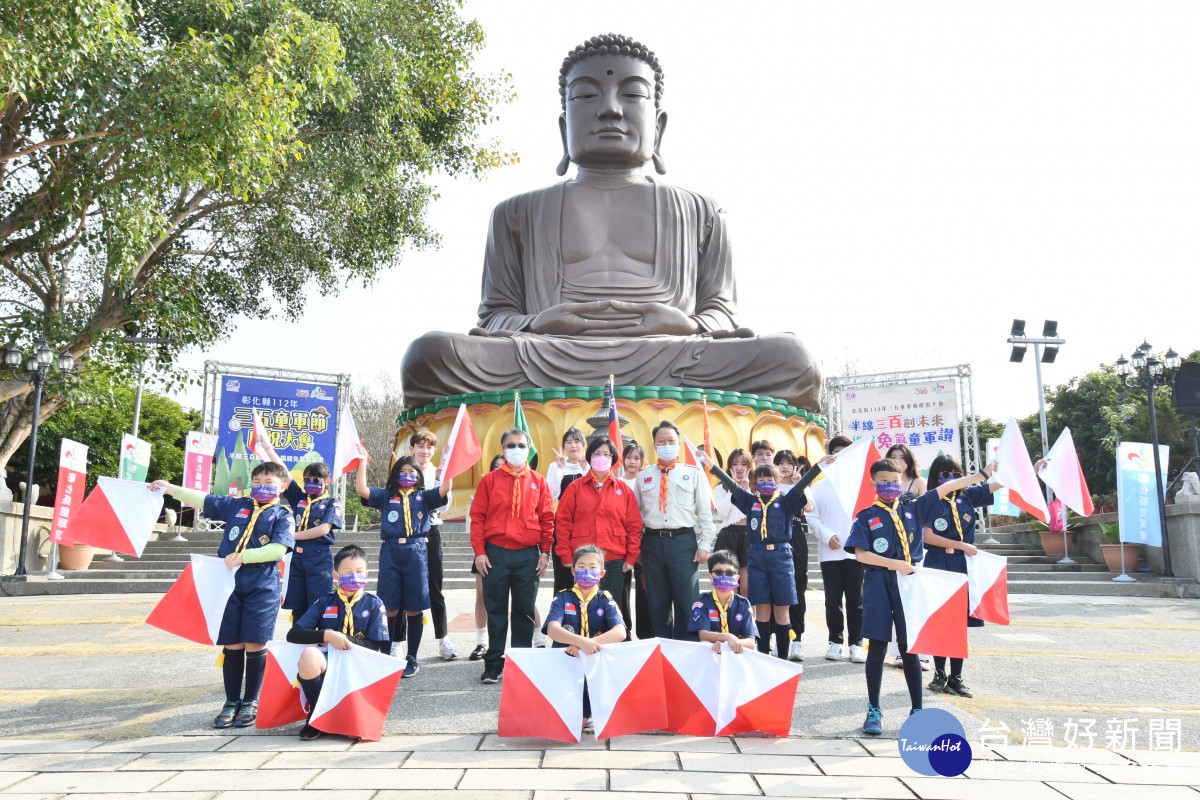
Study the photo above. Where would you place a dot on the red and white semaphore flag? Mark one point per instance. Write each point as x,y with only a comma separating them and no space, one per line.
118,515
348,446
848,480
758,693
357,693
935,612
463,450
542,695
192,608
692,687
625,685
281,701
257,441
1015,471
1063,473
987,587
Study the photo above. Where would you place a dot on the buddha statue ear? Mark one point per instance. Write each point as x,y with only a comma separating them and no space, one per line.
660,128
561,169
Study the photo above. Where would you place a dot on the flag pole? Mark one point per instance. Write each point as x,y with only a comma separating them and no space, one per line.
55,575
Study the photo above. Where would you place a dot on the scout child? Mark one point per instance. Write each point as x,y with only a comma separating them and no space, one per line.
585,617
722,615
406,504
259,531
318,514
790,469
886,538
339,618
423,444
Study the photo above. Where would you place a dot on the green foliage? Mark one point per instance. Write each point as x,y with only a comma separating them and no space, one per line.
354,505
1111,531
169,165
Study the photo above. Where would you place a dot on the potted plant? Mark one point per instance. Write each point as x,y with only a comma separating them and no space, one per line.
1112,549
1053,536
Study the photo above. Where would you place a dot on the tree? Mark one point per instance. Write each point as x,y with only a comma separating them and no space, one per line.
170,165
375,407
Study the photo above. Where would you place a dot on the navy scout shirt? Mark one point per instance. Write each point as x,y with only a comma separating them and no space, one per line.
421,503
602,614
780,512
328,613
275,525
874,531
325,510
739,618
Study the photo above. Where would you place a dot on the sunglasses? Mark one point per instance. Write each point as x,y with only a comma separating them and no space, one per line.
515,446
725,573
950,475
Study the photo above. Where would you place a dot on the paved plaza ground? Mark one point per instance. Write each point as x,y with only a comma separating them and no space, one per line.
94,702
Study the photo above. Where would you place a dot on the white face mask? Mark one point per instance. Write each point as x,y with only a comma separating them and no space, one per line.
516,456
667,452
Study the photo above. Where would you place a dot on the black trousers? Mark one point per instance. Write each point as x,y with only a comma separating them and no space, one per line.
843,579
800,562
642,626
437,600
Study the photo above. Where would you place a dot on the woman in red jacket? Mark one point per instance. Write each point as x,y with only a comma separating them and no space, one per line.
599,508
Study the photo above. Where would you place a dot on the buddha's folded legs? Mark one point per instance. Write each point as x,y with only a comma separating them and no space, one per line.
441,364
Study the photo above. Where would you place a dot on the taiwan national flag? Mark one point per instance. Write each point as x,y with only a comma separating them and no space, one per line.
935,612
357,693
118,515
281,702
625,685
987,585
192,608
542,695
614,420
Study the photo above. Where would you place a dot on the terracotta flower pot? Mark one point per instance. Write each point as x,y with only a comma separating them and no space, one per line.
1052,542
75,556
1112,556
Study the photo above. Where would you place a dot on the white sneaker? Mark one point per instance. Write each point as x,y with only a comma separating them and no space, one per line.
835,652
926,665
542,640
897,662
795,653
395,651
857,654
447,650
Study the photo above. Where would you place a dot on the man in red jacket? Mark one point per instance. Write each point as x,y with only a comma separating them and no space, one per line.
512,531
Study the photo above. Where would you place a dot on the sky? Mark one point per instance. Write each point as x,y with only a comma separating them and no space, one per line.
900,181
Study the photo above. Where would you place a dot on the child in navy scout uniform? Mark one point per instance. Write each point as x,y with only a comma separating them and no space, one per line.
318,515
722,616
345,616
407,505
886,538
584,617
259,531
949,539
772,573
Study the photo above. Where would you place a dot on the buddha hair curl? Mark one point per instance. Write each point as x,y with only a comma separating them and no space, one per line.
615,44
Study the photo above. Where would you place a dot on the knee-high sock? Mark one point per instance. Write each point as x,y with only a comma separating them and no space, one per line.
312,691
956,665
232,669
939,663
764,636
875,654
256,667
912,676
398,627
415,629
782,639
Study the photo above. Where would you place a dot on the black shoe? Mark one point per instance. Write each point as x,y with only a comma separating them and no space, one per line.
491,676
228,712
247,713
477,653
956,686
308,733
938,684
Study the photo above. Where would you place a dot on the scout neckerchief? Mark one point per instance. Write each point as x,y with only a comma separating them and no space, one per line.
900,530
348,601
954,508
258,509
665,469
723,609
583,611
405,495
518,486
597,480
764,504
312,501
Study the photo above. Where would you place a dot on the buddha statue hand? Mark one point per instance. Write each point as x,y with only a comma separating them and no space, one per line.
739,333
641,319
581,319
501,334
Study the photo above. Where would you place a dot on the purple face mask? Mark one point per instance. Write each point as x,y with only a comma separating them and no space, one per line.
407,479
352,582
767,488
947,479
313,488
263,493
887,490
587,578
725,583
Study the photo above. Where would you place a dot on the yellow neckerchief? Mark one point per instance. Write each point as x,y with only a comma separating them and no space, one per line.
258,509
308,506
765,503
900,530
583,612
723,610
404,495
665,469
954,507
518,484
348,602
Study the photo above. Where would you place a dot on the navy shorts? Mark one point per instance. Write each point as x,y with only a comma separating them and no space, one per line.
772,576
252,609
881,607
311,576
404,575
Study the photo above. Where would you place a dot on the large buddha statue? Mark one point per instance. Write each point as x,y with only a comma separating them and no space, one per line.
612,271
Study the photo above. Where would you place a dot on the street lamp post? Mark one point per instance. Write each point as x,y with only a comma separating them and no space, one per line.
39,362
1144,371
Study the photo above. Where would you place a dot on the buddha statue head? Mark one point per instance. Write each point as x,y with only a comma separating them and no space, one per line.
611,87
